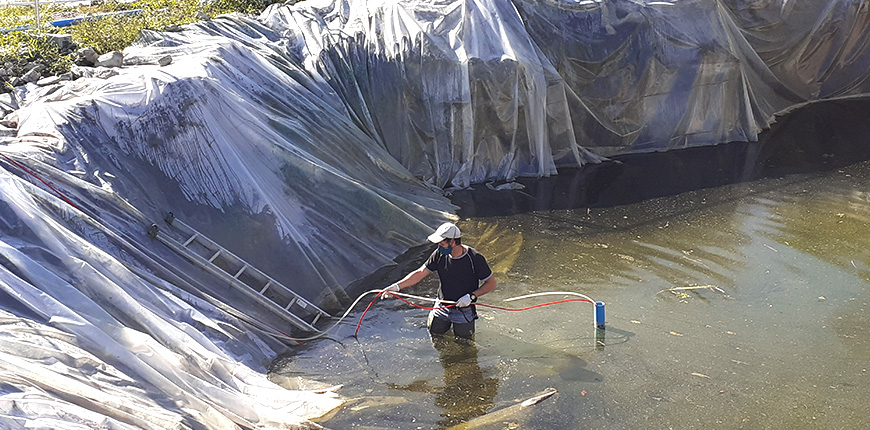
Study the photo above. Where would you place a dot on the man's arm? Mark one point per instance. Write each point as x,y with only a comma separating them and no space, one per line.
487,286
413,277
409,279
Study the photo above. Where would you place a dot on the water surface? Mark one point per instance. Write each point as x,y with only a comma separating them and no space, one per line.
738,304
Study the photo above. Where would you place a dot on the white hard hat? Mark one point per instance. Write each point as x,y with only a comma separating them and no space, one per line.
448,230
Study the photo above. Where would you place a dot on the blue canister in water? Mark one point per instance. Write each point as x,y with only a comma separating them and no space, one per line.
599,315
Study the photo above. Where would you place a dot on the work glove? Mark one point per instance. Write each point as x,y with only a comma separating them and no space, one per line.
394,287
464,301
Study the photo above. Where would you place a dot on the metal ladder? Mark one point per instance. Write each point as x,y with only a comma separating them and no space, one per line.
244,277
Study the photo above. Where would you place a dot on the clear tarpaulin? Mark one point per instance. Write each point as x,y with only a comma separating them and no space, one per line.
315,142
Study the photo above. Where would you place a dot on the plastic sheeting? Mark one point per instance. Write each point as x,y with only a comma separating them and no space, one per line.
493,89
459,92
314,142
85,342
263,161
655,76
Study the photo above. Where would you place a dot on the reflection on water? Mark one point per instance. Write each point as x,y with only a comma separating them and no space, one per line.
467,392
748,310
741,305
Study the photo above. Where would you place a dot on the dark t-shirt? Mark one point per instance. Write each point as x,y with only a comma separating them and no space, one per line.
459,276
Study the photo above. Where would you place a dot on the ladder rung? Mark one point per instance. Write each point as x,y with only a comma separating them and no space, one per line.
266,287
204,245
189,240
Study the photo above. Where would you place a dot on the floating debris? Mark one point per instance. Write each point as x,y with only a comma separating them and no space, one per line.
502,415
681,291
360,403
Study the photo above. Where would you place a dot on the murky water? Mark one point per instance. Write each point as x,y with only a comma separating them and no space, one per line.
734,307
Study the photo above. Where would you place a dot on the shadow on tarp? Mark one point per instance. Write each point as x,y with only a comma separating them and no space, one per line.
818,137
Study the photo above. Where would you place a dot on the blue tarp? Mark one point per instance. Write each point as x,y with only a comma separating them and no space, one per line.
73,21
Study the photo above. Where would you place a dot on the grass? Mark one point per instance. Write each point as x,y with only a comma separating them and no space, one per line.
19,48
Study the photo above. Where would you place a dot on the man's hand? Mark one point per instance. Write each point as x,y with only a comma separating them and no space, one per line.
464,301
394,287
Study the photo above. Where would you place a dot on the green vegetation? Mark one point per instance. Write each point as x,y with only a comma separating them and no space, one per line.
18,49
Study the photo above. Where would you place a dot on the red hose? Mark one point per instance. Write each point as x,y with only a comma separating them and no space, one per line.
40,180
378,296
364,312
535,306
452,305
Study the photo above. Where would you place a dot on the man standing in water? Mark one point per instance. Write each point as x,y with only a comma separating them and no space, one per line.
461,270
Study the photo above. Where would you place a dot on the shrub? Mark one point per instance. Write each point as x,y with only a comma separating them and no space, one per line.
112,33
20,49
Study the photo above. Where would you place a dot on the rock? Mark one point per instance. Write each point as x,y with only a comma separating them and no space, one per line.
172,28
8,103
46,91
202,16
81,72
105,72
39,66
88,56
10,120
64,42
51,80
32,76
110,59
133,60
16,81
